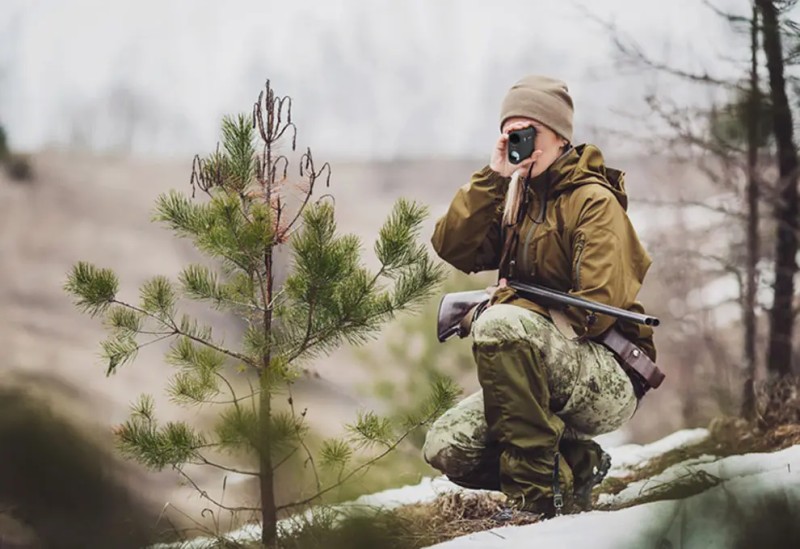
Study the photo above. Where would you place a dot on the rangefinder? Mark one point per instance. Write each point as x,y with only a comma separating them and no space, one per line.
521,144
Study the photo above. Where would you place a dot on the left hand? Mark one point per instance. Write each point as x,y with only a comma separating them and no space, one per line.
502,283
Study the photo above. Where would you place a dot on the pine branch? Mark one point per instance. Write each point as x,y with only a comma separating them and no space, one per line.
177,331
313,175
192,387
125,321
199,282
237,428
284,459
220,228
158,296
371,429
222,350
204,461
349,475
438,396
230,388
205,495
335,452
94,288
395,247
309,455
141,438
345,478
118,350
237,137
332,333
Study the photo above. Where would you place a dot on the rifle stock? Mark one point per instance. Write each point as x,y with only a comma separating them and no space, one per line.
453,308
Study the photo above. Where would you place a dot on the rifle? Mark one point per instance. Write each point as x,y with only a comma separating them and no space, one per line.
456,310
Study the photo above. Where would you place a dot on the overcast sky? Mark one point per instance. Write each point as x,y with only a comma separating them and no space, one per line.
369,78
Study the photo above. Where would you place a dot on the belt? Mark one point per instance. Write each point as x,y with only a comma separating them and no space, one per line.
642,371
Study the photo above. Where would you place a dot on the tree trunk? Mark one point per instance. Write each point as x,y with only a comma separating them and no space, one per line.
779,357
749,310
269,517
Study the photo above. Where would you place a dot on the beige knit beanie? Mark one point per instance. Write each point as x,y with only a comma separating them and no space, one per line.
541,98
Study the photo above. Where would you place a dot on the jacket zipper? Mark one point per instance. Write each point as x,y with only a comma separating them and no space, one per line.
526,250
541,205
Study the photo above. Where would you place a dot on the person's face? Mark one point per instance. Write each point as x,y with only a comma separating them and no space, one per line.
548,146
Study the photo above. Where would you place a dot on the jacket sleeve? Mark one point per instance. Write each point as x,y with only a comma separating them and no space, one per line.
608,261
468,235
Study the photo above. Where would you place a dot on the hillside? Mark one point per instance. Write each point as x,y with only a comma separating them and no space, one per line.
97,209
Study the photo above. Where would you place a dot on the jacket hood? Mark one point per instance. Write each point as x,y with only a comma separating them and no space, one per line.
584,165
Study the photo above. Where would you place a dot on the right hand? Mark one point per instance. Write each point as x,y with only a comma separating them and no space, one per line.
499,162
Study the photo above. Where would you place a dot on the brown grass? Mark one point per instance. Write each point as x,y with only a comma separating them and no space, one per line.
408,527
457,514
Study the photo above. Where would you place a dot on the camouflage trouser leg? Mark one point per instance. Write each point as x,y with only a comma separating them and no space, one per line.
542,392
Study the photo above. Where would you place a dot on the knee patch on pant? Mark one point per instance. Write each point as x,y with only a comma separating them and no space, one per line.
456,441
501,323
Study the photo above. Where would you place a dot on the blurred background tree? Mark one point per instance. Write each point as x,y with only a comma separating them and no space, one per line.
732,144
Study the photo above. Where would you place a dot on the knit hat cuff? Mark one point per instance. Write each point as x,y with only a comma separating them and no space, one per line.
542,99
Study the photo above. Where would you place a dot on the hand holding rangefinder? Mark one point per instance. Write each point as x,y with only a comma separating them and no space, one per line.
521,144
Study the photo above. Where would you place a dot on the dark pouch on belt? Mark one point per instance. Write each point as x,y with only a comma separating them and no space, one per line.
643,372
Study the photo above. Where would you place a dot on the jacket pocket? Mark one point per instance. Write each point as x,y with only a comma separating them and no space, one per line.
549,261
577,256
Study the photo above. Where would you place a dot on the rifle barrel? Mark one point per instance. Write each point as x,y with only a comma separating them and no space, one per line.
533,292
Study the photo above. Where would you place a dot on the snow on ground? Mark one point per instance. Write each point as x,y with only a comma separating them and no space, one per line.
427,490
712,468
721,517
709,520
630,456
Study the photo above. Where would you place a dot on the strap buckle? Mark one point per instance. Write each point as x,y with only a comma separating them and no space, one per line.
558,499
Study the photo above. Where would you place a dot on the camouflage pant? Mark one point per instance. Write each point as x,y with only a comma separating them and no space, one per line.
541,393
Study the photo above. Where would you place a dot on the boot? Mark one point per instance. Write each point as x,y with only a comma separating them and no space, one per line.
583,490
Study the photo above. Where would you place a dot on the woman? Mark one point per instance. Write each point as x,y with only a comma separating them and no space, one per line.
557,219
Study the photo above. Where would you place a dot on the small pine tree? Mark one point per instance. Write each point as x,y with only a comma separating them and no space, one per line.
328,298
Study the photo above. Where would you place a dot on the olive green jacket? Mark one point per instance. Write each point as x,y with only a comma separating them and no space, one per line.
575,237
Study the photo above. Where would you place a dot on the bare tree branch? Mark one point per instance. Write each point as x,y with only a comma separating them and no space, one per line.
634,53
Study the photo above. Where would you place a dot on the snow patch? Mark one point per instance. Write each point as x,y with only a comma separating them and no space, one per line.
427,490
630,456
624,460
718,518
716,469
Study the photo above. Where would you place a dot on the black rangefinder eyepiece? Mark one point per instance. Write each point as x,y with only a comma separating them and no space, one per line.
521,144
